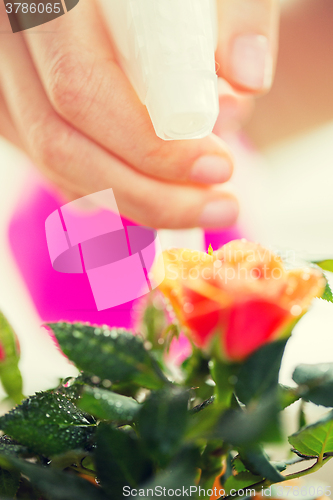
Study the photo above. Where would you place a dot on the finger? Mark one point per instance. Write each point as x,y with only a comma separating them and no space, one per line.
248,40
235,108
7,127
82,166
87,87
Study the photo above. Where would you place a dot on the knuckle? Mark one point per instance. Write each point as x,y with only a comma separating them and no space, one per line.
151,160
157,160
49,142
165,161
68,85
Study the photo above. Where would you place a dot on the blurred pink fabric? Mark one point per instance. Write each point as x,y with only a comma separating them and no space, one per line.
56,296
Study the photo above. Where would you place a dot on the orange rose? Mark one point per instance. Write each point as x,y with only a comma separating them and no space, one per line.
241,294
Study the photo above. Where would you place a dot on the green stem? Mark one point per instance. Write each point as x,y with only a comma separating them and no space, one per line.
83,470
318,465
222,376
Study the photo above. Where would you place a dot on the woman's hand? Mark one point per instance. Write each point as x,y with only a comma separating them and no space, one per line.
66,102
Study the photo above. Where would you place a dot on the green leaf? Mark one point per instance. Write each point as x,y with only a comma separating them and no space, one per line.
120,460
11,447
238,465
316,383
9,482
26,491
48,423
287,396
179,477
328,295
72,387
210,463
162,422
111,354
196,372
57,485
257,462
259,374
326,265
245,427
241,481
202,424
107,405
315,439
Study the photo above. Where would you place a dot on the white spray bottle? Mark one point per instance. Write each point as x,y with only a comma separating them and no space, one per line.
167,50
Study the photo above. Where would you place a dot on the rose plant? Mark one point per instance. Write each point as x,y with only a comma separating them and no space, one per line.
134,424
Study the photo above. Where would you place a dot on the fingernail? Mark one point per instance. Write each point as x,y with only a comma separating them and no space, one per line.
211,170
251,61
219,213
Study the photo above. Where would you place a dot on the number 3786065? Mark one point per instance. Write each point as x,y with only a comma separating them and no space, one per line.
33,8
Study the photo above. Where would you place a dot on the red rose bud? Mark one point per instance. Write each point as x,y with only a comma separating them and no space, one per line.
2,354
236,299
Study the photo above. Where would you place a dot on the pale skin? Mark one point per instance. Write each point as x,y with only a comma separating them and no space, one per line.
65,101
